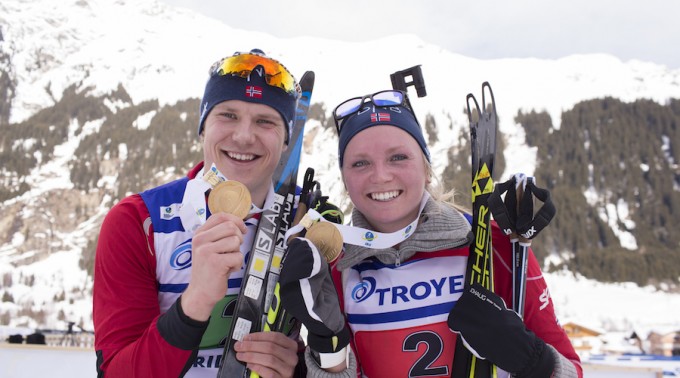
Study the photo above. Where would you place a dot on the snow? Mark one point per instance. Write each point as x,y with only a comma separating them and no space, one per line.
612,307
144,121
36,361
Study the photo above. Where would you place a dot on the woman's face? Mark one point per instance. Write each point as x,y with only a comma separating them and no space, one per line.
384,172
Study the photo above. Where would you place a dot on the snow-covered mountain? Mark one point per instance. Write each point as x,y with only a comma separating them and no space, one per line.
160,52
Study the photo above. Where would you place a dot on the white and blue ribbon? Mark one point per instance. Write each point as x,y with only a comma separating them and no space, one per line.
362,236
194,208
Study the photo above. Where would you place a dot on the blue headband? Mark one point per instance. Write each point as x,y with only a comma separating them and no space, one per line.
396,115
255,89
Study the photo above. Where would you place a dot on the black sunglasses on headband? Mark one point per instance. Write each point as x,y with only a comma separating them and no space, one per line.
354,105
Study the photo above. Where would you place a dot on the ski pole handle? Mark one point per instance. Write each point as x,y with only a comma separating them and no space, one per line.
275,316
520,247
516,218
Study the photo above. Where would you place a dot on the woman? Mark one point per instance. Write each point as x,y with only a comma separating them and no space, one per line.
397,296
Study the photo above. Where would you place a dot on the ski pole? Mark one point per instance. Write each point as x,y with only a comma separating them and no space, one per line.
515,216
276,315
520,250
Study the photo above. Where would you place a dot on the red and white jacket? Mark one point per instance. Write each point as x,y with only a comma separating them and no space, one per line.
398,312
142,265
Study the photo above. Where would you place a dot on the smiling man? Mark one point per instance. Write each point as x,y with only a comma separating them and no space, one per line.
163,291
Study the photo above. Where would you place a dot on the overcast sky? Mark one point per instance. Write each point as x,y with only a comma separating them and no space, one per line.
629,29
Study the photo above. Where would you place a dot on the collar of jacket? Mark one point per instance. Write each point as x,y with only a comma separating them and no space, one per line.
440,227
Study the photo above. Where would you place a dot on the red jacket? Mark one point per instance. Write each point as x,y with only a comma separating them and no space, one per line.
539,312
140,330
126,312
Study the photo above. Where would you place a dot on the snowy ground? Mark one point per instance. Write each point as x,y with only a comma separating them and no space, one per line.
619,307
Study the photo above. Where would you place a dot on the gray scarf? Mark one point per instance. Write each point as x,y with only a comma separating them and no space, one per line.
440,227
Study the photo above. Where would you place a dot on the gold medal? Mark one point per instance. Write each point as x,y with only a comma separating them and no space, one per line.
230,197
327,238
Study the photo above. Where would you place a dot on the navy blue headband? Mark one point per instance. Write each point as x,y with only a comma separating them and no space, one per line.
254,89
396,115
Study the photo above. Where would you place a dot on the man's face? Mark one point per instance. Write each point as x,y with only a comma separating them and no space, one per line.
245,141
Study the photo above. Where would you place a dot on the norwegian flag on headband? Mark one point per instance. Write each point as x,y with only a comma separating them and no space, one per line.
381,117
253,91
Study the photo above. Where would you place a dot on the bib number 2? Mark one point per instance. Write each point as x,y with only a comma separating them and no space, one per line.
433,349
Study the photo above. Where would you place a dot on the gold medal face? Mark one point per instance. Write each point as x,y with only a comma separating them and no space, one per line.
327,238
230,197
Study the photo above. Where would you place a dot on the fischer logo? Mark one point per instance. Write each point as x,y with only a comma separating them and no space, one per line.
420,290
181,256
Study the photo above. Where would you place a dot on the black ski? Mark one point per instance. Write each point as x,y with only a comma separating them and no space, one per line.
479,266
263,266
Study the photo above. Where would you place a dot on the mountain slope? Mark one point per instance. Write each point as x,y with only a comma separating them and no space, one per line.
99,99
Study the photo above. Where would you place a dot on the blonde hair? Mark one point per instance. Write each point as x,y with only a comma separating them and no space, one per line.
437,190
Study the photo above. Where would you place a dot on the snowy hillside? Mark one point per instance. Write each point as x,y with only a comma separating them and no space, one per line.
157,51
161,52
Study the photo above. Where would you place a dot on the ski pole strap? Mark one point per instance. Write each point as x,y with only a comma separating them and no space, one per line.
520,219
303,203
307,186
505,214
544,215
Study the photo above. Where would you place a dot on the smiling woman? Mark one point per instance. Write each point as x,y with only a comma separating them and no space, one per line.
406,299
385,176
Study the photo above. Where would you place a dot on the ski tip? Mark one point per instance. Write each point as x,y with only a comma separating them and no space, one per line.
308,75
469,97
487,87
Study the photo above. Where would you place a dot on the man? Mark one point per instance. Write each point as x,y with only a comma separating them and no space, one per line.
164,289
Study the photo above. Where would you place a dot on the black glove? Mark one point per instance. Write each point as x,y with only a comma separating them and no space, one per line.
491,331
311,196
329,211
307,293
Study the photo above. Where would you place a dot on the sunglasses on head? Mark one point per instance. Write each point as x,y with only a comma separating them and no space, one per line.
354,105
242,64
